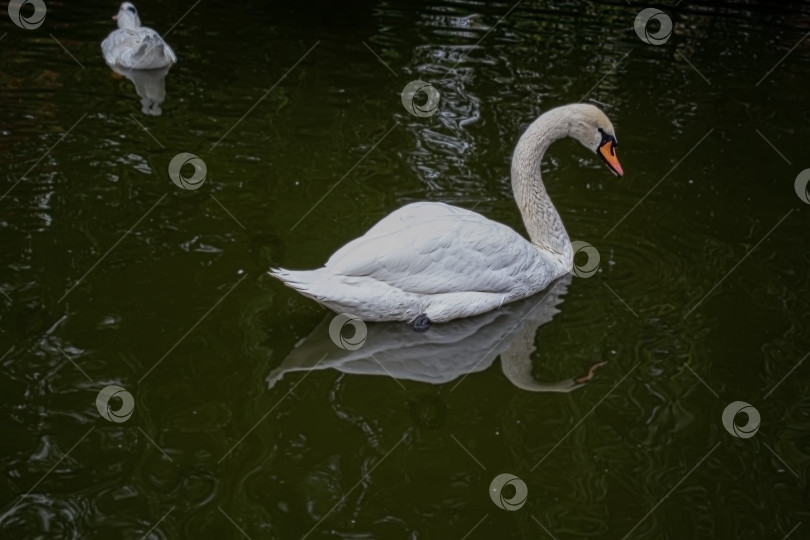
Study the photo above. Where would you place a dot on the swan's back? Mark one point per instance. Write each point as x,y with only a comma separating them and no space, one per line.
139,48
435,248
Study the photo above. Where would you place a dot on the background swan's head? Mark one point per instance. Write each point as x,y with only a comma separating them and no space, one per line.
590,126
128,16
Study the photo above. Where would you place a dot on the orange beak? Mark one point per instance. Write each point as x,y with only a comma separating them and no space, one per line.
608,154
115,17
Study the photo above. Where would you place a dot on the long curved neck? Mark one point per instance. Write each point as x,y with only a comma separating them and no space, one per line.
543,223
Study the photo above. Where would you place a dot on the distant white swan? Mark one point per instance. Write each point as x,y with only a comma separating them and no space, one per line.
133,46
432,262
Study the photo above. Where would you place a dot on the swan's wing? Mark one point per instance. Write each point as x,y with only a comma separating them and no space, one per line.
414,214
122,39
111,44
434,248
141,48
170,53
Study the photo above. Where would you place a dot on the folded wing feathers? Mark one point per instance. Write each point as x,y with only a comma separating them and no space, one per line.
140,48
425,263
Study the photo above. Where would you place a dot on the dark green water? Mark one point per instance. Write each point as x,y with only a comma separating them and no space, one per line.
702,297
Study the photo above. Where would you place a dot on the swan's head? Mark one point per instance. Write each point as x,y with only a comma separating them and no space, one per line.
127,17
593,129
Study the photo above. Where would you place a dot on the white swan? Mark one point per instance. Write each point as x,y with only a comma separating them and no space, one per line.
432,262
133,46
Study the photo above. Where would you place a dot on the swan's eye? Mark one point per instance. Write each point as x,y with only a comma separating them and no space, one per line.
607,137
131,9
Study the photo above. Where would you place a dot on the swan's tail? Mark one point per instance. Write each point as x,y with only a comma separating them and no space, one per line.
151,54
359,296
307,282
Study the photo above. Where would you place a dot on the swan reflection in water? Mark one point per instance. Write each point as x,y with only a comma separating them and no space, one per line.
445,352
150,85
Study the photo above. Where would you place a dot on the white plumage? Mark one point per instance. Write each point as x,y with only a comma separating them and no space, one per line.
444,262
431,258
133,46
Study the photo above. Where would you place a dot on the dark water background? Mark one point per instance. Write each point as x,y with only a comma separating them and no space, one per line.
705,279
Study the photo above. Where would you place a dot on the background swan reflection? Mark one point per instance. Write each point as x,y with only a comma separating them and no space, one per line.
150,85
